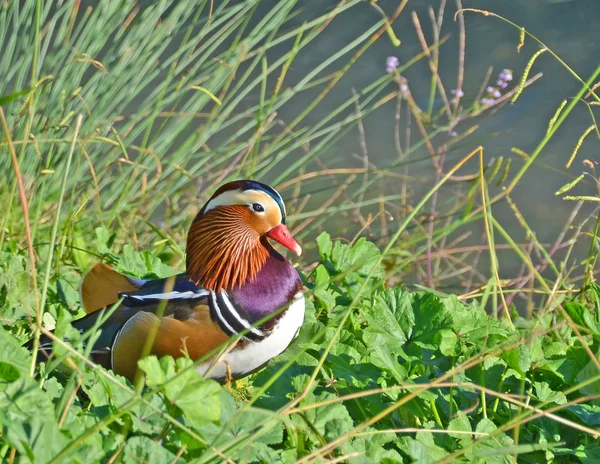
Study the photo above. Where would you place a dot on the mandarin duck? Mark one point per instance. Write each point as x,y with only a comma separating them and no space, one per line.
234,278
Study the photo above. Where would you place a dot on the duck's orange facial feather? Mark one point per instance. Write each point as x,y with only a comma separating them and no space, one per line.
225,243
223,252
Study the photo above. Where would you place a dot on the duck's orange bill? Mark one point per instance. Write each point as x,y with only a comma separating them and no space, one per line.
282,235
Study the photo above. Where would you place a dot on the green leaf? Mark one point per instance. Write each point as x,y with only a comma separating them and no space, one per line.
519,359
325,245
17,297
431,317
582,317
9,372
353,264
569,366
390,316
489,446
132,263
473,324
332,420
372,447
143,449
589,372
103,239
198,399
156,371
544,393
448,342
587,414
423,448
38,437
460,424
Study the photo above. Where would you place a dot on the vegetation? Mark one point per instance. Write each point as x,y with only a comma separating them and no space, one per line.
119,120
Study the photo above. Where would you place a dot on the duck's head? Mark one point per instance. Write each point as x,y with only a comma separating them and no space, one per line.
228,241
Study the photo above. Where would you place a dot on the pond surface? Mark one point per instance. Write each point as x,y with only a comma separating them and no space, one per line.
568,27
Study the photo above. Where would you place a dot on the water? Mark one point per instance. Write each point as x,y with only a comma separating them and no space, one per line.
568,27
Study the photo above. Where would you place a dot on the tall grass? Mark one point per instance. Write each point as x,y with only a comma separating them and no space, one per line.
119,121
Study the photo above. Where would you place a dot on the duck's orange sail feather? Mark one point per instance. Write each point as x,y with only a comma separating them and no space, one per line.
101,286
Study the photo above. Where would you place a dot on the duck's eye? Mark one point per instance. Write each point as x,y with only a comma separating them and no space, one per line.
258,207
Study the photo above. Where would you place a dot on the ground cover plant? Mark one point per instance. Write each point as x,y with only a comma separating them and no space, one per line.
118,119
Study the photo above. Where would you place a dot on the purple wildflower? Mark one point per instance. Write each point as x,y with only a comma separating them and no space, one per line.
493,93
391,63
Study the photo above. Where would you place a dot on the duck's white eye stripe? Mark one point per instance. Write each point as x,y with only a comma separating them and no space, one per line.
231,197
246,198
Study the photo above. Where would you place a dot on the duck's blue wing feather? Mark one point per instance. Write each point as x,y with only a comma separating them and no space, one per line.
177,287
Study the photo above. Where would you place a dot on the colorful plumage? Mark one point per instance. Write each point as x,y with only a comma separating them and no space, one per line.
234,278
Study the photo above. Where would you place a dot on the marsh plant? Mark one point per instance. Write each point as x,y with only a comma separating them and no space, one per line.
119,118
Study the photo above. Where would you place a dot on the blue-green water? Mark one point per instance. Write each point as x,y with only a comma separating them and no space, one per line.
568,27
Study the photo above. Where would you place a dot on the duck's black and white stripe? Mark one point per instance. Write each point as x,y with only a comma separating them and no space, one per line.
151,292
231,316
254,355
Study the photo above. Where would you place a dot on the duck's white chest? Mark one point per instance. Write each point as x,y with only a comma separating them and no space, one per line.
257,353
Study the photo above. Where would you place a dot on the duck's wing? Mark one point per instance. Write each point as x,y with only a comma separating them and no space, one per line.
174,309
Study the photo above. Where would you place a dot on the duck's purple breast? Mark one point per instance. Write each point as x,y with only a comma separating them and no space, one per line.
274,287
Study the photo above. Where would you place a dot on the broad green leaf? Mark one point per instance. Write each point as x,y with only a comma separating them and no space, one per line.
588,414
149,451
131,262
325,245
372,447
38,438
352,265
390,316
9,372
518,358
423,448
488,446
199,399
103,240
16,297
460,424
473,324
332,418
572,364
431,317
448,342
582,316
544,393
587,374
